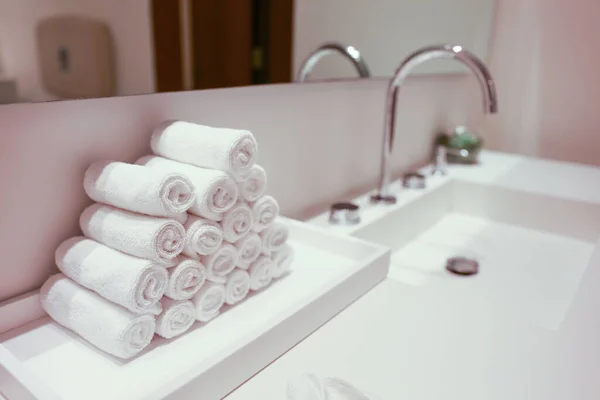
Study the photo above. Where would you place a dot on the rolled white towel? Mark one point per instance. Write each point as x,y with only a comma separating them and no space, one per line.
172,262
274,237
229,150
237,286
237,222
255,185
249,249
139,189
261,273
282,261
177,317
202,237
264,212
132,282
152,238
220,263
208,301
185,279
307,386
216,192
181,217
109,327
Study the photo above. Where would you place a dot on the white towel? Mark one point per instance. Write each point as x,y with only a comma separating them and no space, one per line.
107,326
177,317
282,261
181,217
307,386
249,249
223,149
237,286
274,237
255,185
220,263
172,262
216,192
153,238
202,237
264,213
338,389
237,222
185,279
132,282
261,273
208,301
139,189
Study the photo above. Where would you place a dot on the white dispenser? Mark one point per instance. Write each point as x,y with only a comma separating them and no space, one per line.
76,57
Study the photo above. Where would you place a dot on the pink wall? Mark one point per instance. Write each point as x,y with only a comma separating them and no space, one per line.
319,142
129,22
545,56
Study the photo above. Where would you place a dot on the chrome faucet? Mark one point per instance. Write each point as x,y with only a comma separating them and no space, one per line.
475,65
350,52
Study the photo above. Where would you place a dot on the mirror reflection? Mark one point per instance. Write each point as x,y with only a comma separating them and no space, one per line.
70,49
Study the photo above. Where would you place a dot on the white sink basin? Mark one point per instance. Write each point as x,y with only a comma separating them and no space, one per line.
525,327
532,225
532,250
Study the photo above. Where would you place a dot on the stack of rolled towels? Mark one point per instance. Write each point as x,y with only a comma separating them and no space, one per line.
170,240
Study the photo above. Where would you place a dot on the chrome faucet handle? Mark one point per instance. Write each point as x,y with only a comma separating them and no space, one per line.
344,214
350,52
414,180
440,163
383,198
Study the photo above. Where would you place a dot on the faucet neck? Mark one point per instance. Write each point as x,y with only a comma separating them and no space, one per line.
349,52
475,65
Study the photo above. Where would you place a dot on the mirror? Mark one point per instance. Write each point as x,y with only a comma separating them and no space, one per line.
386,31
68,49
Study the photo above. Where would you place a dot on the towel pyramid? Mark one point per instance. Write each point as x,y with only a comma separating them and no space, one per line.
171,239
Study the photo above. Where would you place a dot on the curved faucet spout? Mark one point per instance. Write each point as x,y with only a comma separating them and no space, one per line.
350,52
475,65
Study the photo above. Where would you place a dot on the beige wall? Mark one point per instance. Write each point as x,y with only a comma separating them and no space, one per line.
545,56
129,21
319,142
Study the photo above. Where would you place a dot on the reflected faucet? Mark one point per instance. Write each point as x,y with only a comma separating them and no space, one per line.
350,52
475,65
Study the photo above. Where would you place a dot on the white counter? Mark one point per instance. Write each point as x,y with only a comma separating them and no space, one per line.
428,342
405,342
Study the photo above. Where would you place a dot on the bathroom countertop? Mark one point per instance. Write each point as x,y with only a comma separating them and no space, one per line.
409,342
541,176
427,342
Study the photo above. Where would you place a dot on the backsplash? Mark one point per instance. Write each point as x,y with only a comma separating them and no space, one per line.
318,142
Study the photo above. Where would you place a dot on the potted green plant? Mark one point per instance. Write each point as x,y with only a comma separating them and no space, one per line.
462,146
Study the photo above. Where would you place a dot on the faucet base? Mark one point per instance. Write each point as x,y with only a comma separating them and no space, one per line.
385,199
344,214
413,180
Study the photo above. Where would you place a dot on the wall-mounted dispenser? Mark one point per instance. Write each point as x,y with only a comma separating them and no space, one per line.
76,57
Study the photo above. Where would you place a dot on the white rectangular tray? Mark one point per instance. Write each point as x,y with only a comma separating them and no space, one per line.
42,360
